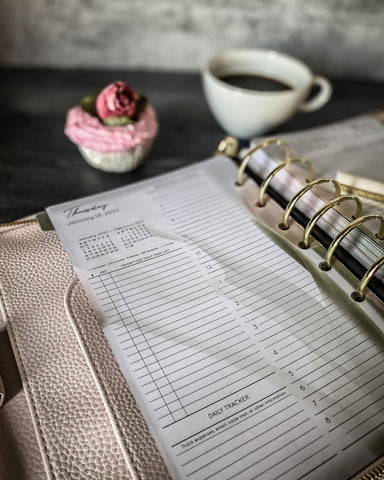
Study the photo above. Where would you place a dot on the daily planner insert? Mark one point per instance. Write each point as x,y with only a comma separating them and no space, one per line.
242,365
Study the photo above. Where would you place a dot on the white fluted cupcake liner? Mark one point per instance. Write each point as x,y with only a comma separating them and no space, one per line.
117,162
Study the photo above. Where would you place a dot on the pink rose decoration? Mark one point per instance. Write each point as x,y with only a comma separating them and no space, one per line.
117,100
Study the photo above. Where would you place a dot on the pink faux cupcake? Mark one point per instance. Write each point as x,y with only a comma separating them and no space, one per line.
114,129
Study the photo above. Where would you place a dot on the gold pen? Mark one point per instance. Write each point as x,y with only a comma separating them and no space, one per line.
361,186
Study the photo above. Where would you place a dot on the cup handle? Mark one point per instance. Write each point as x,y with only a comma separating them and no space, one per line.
322,96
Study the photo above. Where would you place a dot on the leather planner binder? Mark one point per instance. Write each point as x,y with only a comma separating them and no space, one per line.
222,321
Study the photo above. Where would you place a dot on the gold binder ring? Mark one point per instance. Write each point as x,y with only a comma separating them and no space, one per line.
228,147
336,201
358,295
287,213
260,145
326,265
267,180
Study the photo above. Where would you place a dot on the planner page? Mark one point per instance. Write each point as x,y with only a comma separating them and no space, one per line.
354,146
242,365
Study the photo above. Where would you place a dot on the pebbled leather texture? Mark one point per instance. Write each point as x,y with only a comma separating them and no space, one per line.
20,455
87,426
146,460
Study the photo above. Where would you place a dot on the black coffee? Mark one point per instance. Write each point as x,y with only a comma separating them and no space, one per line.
255,82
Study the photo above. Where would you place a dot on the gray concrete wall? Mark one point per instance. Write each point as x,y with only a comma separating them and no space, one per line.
336,37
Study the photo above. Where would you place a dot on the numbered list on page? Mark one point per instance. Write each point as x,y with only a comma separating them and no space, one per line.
242,366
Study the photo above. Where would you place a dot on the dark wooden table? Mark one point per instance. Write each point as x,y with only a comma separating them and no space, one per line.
39,166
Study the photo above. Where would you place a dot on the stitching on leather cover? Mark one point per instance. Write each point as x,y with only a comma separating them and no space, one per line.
46,458
2,392
96,375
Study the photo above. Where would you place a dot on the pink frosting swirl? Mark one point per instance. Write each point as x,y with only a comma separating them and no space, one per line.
86,130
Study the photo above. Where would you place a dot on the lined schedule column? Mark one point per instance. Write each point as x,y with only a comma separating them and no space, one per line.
137,344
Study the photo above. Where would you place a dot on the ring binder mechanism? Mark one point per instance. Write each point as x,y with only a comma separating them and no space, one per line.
259,146
326,265
332,203
287,213
228,147
264,185
309,225
358,295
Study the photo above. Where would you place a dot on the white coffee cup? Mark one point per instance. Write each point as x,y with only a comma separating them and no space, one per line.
245,113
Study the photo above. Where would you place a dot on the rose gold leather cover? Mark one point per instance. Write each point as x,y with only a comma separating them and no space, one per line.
85,418
86,421
20,455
